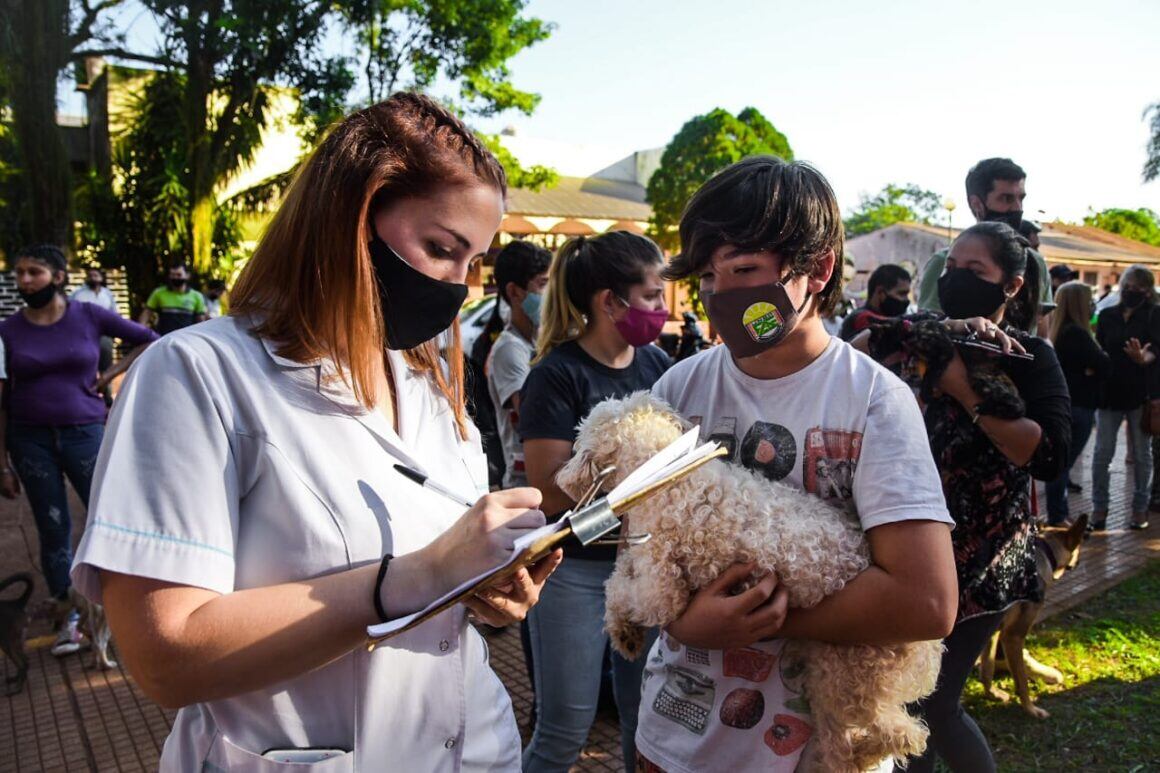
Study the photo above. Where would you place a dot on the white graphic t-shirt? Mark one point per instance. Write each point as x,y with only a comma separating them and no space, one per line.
843,428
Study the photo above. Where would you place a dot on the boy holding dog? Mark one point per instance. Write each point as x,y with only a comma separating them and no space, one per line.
722,689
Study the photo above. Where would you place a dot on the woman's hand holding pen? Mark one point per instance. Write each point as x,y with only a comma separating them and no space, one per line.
482,539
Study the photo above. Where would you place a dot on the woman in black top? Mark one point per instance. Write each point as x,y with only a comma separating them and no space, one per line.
603,308
1086,366
990,287
1130,333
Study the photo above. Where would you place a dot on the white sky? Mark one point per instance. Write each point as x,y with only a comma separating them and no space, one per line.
870,92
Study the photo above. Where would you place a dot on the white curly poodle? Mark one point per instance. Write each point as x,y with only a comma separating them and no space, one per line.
722,514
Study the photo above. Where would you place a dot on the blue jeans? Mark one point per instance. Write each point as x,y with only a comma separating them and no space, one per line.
1081,429
43,456
568,643
1108,423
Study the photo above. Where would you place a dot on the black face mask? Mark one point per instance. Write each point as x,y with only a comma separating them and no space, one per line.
177,284
416,308
92,285
1132,298
893,307
962,294
1013,219
38,299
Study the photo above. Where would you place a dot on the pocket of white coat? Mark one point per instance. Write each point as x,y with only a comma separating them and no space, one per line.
224,755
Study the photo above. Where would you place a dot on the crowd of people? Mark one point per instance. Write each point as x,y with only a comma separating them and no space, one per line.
242,555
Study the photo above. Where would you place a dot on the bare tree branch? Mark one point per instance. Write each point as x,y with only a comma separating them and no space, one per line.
121,53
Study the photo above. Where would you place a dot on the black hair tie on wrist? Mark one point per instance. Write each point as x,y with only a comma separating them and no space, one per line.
378,599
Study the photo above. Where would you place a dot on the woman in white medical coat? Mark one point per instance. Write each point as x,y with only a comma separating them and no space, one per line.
246,499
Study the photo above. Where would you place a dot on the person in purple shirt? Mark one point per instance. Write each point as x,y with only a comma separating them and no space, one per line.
53,416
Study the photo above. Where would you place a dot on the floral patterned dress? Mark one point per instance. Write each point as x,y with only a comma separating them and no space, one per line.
988,496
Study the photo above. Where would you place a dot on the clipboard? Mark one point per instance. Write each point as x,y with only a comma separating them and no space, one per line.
587,524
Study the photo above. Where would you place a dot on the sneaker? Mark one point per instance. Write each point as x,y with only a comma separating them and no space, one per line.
69,639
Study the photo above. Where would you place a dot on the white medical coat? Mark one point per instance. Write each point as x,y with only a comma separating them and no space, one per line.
226,466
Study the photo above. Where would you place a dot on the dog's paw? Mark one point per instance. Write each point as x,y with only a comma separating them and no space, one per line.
1034,711
1000,695
628,640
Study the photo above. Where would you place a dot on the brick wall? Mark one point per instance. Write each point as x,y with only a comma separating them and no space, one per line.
10,301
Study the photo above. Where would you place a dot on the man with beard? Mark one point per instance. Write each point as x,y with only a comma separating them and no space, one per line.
996,188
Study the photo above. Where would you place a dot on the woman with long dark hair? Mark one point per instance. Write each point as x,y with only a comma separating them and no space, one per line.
249,521
990,287
603,308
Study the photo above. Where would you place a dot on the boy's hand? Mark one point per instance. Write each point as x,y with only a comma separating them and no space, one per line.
717,620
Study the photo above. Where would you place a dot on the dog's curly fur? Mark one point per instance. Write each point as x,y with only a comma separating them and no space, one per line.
722,514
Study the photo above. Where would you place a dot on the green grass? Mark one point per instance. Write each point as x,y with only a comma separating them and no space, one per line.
1106,714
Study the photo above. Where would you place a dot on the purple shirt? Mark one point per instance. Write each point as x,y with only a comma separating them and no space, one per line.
52,368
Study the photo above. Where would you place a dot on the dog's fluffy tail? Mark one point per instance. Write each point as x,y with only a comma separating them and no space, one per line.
23,577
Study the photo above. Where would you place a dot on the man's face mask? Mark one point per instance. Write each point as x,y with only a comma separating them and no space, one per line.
753,320
1013,219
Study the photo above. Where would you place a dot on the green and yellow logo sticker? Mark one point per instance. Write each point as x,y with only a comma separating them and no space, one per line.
762,320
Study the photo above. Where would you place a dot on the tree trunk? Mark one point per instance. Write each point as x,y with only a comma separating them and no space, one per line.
199,133
35,52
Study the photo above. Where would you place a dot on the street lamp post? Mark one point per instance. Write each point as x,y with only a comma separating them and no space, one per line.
949,206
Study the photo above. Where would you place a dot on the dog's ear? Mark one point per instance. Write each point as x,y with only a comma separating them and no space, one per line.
1073,538
577,474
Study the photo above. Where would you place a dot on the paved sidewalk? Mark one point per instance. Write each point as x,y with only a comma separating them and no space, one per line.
71,716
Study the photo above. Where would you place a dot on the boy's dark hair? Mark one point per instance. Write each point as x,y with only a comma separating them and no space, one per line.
981,179
765,203
519,262
179,265
48,254
216,284
887,276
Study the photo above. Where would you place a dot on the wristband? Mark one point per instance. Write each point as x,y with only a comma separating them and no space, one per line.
378,597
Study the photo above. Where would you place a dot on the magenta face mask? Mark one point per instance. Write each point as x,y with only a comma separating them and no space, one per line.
640,327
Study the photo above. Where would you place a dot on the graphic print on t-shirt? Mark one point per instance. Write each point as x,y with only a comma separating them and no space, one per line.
769,449
831,457
686,698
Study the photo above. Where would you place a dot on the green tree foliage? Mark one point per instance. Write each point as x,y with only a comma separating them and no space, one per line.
225,58
893,204
37,40
413,44
532,178
1142,224
704,146
1152,163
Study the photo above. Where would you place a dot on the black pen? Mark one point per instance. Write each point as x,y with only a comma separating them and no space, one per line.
426,482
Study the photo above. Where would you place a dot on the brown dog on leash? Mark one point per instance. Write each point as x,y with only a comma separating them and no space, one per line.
1057,550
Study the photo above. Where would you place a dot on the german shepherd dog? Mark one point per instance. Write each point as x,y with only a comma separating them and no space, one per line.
13,627
1057,550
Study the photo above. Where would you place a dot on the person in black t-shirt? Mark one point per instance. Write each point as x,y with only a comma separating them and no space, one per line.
603,308
1130,333
1085,366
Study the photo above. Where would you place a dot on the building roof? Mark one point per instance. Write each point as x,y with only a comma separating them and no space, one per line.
1075,244
583,197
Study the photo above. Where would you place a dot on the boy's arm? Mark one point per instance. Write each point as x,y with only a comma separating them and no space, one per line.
909,593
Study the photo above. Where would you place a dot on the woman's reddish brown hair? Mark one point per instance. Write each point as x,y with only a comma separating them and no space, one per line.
310,282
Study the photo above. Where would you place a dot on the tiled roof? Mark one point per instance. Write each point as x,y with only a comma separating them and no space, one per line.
582,197
1080,244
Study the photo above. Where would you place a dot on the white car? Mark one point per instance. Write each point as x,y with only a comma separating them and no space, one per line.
473,318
